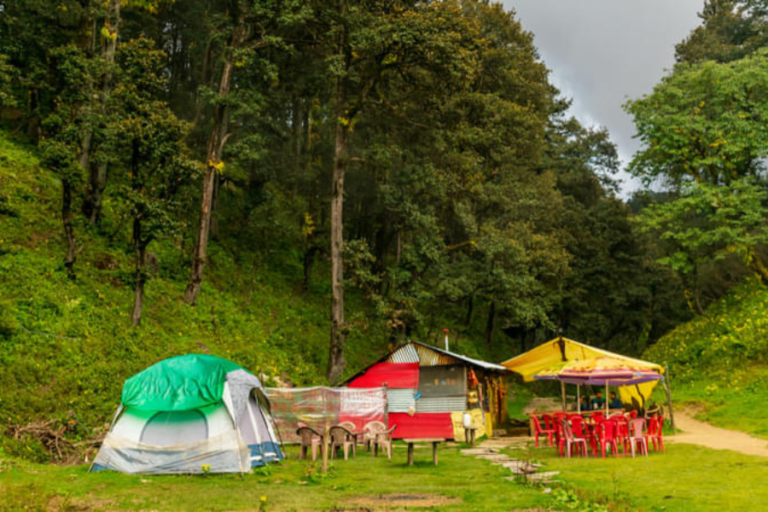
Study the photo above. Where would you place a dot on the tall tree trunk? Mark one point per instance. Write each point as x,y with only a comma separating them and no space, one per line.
399,254
85,149
97,179
214,231
470,310
140,277
490,324
97,182
33,123
336,362
297,127
69,231
139,244
214,152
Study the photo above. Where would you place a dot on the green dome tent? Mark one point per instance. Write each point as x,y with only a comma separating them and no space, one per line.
191,414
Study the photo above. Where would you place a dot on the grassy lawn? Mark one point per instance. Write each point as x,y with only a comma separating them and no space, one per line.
469,484
686,477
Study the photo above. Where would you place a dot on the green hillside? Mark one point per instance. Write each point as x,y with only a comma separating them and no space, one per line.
67,346
720,361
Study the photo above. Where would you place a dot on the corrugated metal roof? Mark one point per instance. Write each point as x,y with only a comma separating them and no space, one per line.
428,357
444,355
401,400
405,354
442,404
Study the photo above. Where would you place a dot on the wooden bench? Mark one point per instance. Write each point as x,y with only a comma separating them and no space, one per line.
434,441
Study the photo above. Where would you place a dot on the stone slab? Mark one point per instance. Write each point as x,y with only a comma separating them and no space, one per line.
496,457
479,451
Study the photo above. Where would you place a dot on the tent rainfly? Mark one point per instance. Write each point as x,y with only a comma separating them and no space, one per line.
190,414
430,389
558,351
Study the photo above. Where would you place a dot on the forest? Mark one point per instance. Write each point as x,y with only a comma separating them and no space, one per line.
411,154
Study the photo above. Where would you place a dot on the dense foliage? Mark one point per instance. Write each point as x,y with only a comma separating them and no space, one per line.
704,136
417,147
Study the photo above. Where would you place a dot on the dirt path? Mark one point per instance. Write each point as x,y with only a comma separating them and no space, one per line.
704,434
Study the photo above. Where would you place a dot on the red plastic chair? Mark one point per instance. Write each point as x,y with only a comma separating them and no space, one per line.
577,425
538,431
591,429
655,433
581,429
622,431
571,440
598,416
559,438
637,436
607,436
558,419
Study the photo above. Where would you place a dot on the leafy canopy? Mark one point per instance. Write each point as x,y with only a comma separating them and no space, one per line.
704,122
711,221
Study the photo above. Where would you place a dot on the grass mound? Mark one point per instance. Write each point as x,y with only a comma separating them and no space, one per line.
720,360
66,346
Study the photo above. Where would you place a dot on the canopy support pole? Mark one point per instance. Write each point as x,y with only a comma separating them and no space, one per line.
578,398
562,392
606,399
669,399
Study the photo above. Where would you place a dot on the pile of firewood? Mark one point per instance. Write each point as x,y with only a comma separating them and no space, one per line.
50,433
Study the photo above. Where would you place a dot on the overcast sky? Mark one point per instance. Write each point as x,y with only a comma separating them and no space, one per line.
603,52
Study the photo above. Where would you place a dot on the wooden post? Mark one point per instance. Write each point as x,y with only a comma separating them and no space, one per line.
410,454
578,398
562,392
434,452
325,446
669,399
325,451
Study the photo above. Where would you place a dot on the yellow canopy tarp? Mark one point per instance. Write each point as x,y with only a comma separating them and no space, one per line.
550,354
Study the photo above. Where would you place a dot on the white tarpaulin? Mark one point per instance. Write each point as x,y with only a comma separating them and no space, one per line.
225,453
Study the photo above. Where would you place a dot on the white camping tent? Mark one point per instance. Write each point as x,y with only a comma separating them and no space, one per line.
191,414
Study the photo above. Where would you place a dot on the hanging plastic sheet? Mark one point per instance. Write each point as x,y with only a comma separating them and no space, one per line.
322,407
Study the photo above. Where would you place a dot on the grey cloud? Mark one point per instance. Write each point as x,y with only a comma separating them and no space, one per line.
603,52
